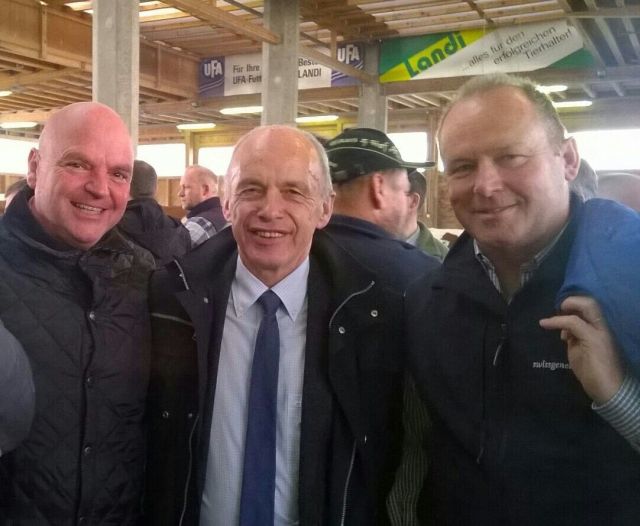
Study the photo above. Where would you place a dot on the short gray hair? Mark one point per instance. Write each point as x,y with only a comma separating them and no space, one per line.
324,182
541,102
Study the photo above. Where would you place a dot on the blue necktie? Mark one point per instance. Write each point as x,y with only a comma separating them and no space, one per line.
259,471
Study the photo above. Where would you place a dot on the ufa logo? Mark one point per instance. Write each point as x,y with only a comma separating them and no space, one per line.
348,54
212,68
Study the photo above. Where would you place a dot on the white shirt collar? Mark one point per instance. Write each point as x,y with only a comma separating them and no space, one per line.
292,290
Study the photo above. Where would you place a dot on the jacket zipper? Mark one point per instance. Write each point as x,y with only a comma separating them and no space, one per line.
358,293
186,484
346,484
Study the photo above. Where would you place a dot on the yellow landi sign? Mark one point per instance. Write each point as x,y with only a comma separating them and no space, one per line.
446,46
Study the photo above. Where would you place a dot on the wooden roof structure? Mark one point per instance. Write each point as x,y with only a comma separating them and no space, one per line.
45,54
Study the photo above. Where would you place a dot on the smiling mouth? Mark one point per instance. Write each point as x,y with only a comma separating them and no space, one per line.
88,208
493,211
268,234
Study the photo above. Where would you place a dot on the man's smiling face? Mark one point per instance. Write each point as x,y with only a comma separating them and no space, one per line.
81,174
275,201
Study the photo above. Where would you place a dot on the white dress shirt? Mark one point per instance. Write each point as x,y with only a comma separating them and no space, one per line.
221,496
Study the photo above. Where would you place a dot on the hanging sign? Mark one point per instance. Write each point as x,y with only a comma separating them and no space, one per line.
474,52
242,74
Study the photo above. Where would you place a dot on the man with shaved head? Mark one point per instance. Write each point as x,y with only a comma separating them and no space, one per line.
199,197
73,294
276,388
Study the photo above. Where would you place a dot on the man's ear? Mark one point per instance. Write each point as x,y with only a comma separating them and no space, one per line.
226,210
414,200
571,158
327,210
32,170
376,189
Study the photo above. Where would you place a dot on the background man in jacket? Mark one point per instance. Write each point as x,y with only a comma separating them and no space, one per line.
199,197
74,295
339,372
529,422
145,222
415,232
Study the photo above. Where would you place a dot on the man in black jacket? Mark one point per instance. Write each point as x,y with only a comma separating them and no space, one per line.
73,293
531,425
145,222
340,366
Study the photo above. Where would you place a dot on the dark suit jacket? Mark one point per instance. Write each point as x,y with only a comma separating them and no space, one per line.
352,393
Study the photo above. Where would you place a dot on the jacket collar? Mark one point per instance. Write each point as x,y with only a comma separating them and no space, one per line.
207,204
463,273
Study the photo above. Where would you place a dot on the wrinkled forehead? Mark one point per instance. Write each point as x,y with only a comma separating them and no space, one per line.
501,115
92,129
285,149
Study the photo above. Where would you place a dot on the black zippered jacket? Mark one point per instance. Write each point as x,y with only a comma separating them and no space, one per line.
82,319
352,393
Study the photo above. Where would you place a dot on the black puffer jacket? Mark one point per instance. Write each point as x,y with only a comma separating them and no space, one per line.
146,224
82,320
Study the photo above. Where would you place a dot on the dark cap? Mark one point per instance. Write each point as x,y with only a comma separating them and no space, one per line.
359,151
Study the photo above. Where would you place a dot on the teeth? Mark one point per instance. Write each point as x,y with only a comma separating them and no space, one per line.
87,207
269,234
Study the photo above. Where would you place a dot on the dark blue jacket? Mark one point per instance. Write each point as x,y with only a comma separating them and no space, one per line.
605,264
514,439
395,262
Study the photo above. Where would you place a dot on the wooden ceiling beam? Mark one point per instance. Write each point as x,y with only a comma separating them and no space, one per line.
571,77
217,17
26,79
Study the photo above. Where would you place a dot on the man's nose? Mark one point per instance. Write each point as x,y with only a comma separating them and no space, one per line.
271,205
487,178
98,183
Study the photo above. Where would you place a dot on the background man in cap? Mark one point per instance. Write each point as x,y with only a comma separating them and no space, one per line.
529,422
145,222
371,205
338,367
415,232
73,294
199,197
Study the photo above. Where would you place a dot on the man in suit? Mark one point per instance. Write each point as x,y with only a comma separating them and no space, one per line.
338,401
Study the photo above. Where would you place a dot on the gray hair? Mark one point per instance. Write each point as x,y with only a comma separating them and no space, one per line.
541,102
324,182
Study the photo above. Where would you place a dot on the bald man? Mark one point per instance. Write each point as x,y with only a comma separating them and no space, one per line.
199,197
73,294
308,432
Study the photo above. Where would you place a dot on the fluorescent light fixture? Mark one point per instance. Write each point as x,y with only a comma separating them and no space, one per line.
79,6
196,126
555,88
316,119
239,110
17,125
5,93
572,104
